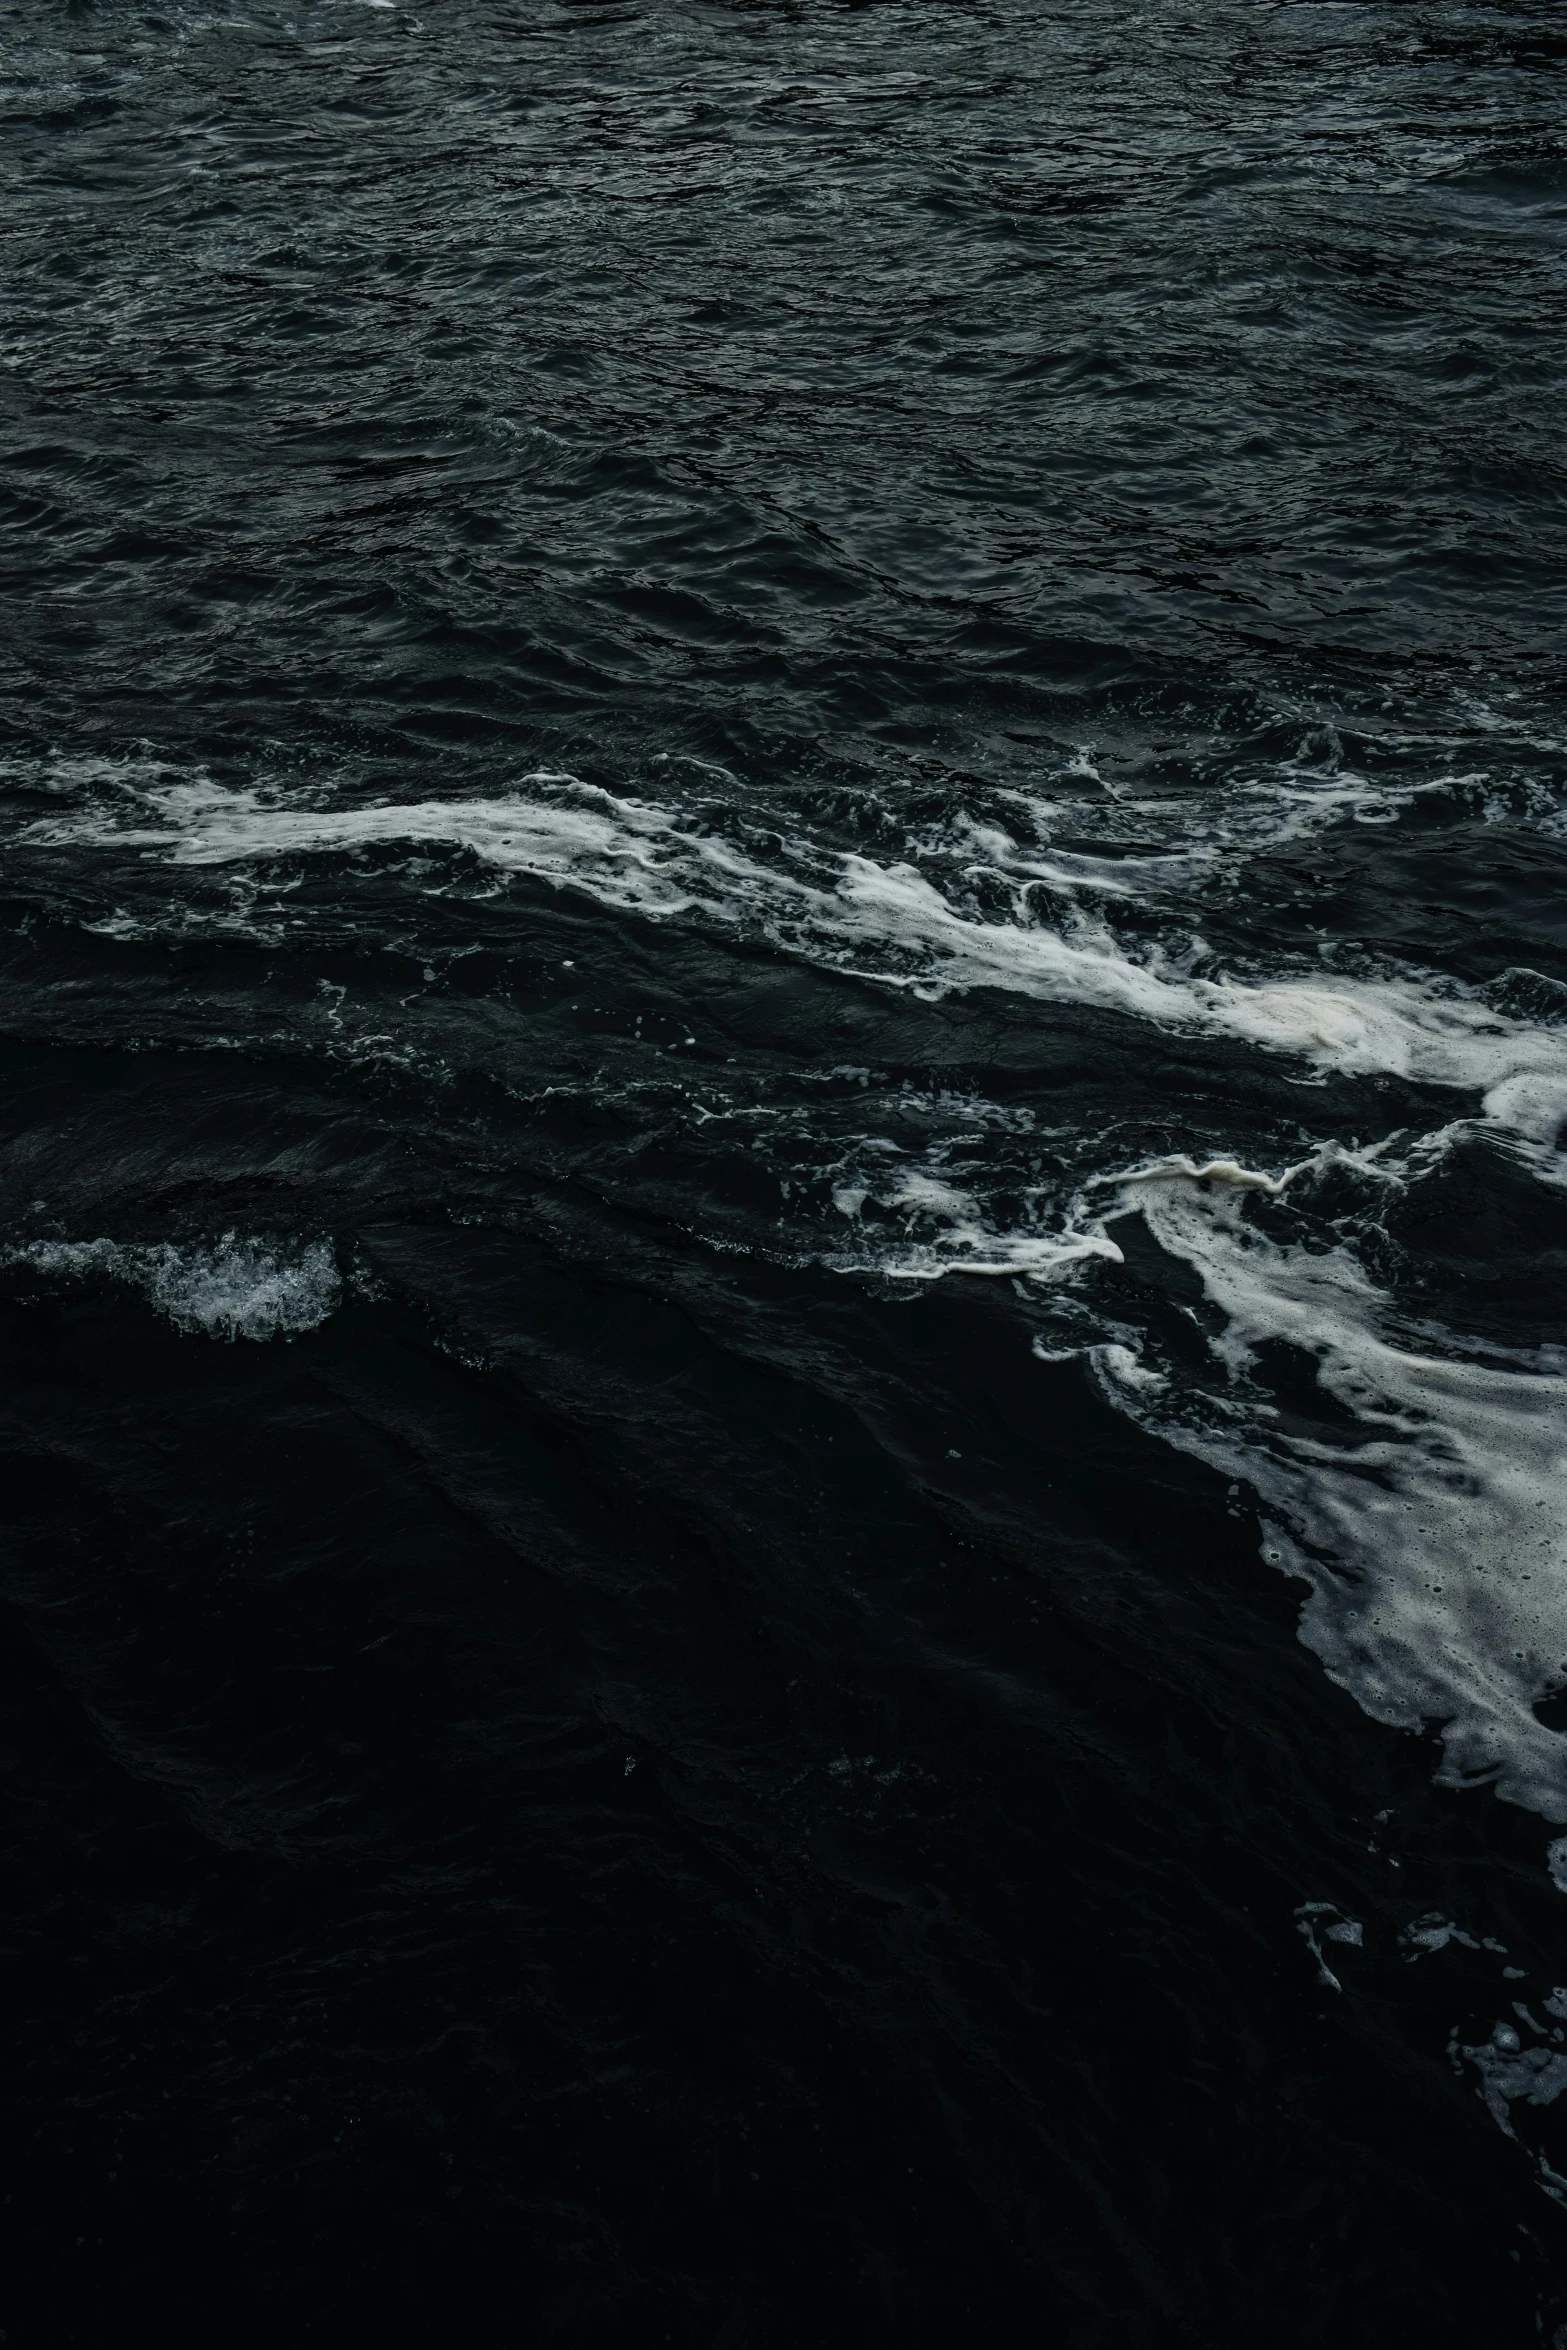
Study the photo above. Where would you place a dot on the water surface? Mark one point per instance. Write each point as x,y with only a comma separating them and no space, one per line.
782,1233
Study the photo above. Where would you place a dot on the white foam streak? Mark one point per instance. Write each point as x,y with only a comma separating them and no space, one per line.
885,922
961,1242
1433,1536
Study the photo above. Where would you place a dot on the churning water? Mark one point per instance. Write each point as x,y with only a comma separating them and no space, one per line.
783,1240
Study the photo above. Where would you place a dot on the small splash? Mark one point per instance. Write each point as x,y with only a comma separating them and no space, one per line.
229,1288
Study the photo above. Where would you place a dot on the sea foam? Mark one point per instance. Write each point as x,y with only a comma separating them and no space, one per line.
888,922
1430,1538
230,1288
1431,1534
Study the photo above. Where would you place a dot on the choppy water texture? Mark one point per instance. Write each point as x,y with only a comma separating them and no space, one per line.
781,1249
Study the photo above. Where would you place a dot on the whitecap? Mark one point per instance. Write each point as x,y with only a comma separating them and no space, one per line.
230,1288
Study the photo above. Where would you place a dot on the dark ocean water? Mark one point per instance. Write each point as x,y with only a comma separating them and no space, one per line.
784,1393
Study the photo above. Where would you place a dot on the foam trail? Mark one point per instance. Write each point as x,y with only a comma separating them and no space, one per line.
887,922
1434,1541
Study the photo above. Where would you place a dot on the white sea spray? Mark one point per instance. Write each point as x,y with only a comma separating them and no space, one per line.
229,1288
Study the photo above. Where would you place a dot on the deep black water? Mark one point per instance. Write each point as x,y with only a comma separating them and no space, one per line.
588,1761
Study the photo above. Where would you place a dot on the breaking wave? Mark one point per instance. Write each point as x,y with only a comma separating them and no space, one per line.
229,1288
